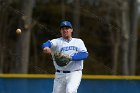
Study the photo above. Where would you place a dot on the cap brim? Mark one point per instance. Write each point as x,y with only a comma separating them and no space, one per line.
65,26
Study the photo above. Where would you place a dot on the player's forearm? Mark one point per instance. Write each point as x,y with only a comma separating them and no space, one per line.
79,56
46,44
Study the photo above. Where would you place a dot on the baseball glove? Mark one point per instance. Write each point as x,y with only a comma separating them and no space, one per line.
61,59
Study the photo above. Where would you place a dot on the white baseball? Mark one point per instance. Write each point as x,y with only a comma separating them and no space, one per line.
18,31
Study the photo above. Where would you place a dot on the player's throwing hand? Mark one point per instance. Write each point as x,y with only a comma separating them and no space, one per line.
47,50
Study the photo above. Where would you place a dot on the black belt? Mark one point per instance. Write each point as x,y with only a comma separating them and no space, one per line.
65,71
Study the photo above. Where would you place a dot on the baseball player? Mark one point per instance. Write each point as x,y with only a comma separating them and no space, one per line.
70,52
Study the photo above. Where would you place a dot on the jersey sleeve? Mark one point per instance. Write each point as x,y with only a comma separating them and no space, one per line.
53,42
50,43
54,46
82,52
82,47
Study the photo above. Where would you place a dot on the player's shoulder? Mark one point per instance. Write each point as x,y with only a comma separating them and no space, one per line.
57,39
77,39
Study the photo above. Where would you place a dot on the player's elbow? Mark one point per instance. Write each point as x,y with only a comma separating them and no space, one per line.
85,55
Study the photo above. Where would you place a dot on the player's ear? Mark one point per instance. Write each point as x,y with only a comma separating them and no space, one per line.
71,29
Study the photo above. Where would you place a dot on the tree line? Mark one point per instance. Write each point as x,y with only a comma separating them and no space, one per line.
109,29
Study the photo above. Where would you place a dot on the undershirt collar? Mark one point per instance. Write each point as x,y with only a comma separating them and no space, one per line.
67,40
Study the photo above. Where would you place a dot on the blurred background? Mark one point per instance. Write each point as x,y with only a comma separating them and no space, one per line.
109,28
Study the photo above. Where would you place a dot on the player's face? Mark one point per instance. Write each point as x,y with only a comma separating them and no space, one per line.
66,32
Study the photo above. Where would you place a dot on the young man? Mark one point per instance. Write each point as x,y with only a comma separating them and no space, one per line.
68,77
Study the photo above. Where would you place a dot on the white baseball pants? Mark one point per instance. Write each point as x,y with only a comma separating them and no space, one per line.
67,82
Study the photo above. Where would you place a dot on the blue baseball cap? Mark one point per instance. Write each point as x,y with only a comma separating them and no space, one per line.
65,24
